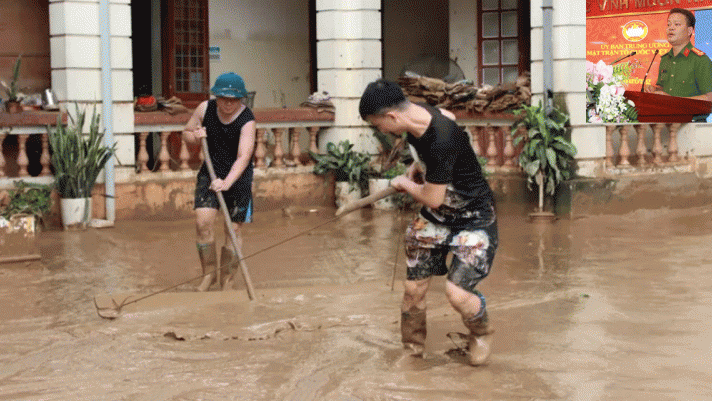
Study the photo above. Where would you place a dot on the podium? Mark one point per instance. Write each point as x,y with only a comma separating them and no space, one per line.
656,108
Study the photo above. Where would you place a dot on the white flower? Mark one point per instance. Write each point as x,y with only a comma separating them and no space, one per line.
606,86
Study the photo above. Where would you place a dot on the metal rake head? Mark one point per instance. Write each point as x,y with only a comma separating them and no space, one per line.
110,312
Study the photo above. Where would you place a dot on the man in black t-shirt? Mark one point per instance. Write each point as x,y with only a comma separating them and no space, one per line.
458,214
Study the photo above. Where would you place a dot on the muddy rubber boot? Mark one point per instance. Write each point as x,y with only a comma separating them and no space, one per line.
208,261
479,341
228,264
414,330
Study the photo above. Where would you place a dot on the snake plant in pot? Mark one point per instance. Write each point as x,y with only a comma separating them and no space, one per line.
12,89
77,159
547,156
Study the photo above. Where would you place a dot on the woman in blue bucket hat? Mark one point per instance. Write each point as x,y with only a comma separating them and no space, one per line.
229,127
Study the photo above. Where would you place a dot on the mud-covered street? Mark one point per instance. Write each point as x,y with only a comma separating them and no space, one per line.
596,308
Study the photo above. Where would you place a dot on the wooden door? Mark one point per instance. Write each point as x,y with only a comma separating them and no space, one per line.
186,64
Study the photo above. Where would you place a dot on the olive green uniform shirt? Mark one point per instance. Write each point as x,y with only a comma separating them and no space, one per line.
687,74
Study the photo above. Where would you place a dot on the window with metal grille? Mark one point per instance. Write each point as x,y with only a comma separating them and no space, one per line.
503,38
186,33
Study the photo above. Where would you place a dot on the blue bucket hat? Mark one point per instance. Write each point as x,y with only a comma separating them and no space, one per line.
229,85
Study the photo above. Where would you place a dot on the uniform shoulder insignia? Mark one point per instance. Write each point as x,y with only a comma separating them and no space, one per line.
698,51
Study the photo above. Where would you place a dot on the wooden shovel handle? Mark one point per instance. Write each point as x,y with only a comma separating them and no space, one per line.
365,201
228,222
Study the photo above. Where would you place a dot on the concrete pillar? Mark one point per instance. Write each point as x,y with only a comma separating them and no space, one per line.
348,58
569,69
75,59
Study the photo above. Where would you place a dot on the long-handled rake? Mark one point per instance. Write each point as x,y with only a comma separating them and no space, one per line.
113,311
230,228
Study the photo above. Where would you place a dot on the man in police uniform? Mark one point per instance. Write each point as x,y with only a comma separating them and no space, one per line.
684,71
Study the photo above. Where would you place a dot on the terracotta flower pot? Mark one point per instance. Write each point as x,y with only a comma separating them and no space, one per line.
13,107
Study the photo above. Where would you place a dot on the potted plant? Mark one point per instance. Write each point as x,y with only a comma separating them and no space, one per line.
387,164
348,167
547,157
21,209
77,159
12,90
27,199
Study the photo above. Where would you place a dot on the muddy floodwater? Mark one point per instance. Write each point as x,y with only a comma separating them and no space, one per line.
595,308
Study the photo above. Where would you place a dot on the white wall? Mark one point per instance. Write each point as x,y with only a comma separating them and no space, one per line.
463,36
267,43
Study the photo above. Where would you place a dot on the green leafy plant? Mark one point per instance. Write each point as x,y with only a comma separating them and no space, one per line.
78,158
28,198
393,172
547,156
402,201
13,89
343,162
483,164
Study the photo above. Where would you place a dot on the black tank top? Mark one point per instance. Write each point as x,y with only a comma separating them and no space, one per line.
224,140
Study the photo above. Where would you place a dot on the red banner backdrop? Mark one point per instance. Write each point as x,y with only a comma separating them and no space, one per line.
607,8
612,38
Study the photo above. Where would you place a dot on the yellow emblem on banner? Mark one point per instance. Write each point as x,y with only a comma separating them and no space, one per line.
635,31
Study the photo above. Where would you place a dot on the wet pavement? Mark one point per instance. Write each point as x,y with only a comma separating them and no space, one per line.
596,308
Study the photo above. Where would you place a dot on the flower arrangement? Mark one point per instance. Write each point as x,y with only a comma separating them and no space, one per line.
605,102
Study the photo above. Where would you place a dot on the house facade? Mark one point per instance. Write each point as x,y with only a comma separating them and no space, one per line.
104,53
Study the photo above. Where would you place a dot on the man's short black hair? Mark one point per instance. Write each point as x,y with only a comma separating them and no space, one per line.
689,16
378,96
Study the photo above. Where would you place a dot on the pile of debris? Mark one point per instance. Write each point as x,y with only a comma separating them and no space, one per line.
464,95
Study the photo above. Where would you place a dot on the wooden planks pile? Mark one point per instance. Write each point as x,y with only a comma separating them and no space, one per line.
462,95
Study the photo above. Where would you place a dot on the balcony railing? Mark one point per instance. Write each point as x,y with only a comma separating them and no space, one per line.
283,141
279,144
643,146
24,147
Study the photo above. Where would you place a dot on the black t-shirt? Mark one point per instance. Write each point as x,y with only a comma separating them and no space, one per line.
224,140
447,154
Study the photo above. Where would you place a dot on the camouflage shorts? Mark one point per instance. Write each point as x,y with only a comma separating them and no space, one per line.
427,246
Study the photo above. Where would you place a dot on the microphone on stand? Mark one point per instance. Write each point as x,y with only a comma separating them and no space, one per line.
624,57
642,88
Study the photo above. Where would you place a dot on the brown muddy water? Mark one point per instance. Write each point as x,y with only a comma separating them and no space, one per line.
596,308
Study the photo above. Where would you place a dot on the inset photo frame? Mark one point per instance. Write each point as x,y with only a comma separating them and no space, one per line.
648,63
